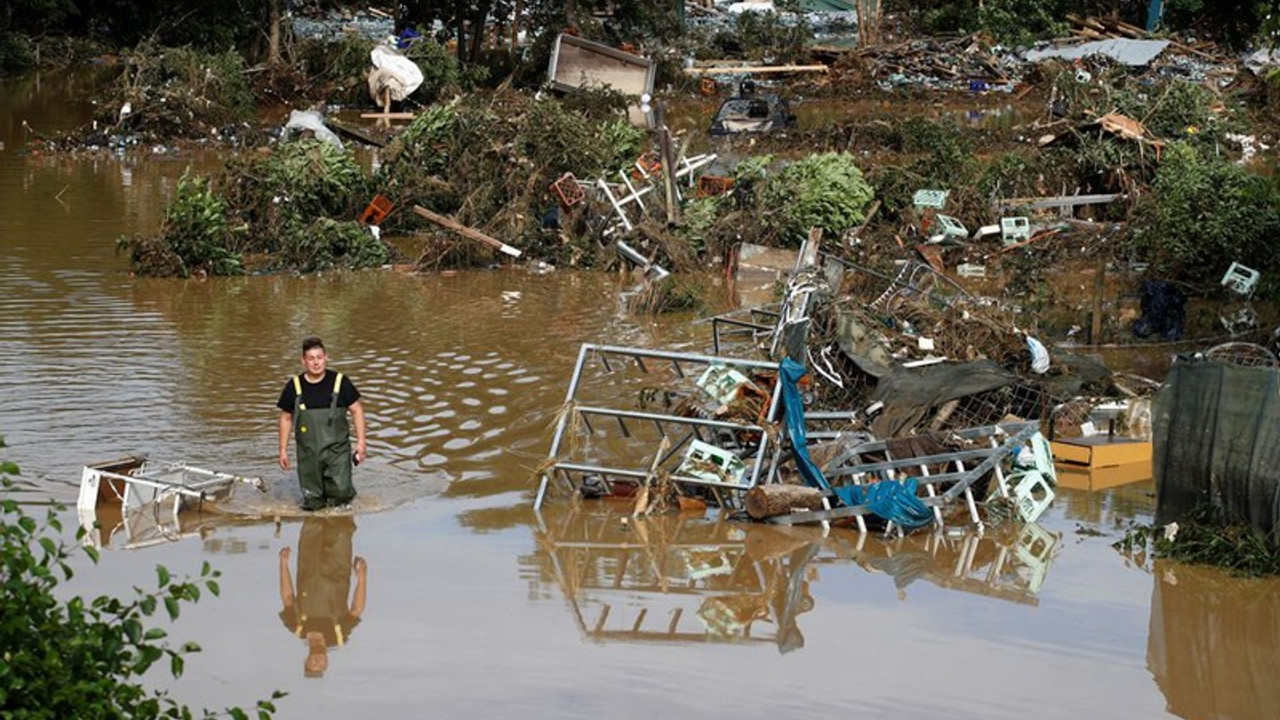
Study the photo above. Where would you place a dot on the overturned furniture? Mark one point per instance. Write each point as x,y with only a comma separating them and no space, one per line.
136,485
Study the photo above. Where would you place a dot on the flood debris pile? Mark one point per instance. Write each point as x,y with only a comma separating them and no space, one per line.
875,399
163,94
289,210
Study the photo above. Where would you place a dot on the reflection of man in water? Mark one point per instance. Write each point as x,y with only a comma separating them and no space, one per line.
318,612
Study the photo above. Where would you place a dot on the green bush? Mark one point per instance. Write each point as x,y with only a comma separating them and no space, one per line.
1202,213
80,657
313,178
825,191
196,236
325,243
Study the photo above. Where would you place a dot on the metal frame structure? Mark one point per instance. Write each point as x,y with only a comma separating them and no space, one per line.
754,448
961,478
137,482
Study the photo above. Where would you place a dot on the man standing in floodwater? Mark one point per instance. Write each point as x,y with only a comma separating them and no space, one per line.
314,405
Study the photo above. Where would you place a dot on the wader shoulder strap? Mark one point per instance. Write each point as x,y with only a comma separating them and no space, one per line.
297,393
337,390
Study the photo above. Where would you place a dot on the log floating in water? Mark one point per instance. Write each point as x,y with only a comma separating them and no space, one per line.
766,501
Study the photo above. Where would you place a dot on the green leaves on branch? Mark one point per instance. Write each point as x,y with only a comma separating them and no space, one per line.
825,191
1202,213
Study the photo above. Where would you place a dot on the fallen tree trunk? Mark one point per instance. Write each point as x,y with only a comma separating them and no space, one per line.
766,501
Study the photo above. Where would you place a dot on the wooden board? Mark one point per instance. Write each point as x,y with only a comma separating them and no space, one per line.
1099,451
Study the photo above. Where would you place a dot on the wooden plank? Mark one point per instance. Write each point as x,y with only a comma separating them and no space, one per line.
765,69
465,231
389,116
354,132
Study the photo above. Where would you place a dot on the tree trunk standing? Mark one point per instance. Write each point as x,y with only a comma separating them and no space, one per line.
515,28
460,30
766,501
570,13
273,36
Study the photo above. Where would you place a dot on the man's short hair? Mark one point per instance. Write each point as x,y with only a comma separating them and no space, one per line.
311,343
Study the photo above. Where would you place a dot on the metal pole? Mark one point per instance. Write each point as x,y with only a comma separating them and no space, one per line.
564,420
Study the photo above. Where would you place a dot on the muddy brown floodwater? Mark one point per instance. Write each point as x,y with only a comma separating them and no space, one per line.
476,607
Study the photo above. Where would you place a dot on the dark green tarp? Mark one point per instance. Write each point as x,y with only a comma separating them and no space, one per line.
1216,442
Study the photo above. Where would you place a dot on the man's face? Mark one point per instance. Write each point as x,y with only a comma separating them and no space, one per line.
314,361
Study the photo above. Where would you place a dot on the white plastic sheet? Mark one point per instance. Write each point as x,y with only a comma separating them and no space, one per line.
313,121
392,72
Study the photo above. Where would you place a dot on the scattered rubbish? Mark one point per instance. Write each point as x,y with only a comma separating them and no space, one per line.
970,270
752,112
1241,279
578,64
393,76
710,463
1014,229
949,230
723,383
313,122
651,270
377,210
138,486
1039,356
1131,52
934,199
568,190
714,186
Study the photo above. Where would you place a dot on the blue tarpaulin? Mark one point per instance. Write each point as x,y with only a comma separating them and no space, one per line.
892,500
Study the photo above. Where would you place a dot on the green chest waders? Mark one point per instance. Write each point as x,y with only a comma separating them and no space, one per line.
323,436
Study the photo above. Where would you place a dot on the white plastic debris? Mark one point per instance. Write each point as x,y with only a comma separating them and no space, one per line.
1039,356
393,73
300,120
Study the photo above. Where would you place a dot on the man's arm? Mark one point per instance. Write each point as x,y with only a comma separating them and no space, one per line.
357,415
286,426
286,582
362,578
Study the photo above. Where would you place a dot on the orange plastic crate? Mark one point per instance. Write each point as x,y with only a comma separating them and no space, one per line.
377,211
568,190
713,186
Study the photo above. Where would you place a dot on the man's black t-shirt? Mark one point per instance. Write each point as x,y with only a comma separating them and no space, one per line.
319,395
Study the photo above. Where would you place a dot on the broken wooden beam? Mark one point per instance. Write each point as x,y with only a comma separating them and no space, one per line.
737,70
454,225
1057,202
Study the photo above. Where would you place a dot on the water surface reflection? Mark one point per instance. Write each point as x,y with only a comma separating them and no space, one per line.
322,608
690,578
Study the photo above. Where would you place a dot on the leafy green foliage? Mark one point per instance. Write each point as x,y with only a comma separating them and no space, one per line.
81,657
1008,21
312,178
325,243
196,236
767,36
442,74
1202,213
826,191
1206,537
